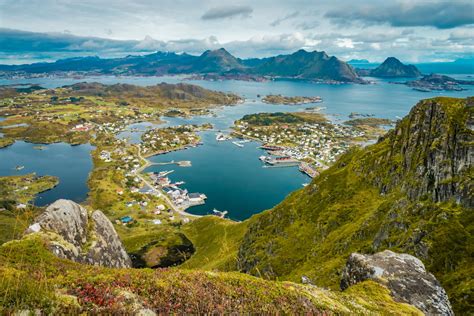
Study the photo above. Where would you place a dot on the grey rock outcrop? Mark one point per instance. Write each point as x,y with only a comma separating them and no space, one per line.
74,235
404,275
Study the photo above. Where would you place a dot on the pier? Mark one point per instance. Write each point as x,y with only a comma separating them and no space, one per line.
182,163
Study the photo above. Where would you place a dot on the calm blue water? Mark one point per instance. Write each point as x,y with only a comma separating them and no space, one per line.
231,177
71,164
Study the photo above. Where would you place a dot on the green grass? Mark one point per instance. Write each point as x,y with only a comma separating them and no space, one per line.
216,242
314,230
32,278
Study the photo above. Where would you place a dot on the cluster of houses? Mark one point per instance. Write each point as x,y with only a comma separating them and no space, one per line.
180,197
323,142
164,139
83,127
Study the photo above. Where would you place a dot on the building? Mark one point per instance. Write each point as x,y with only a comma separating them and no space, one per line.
126,219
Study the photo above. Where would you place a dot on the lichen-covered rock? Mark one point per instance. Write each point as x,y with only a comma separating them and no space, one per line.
73,235
404,275
66,218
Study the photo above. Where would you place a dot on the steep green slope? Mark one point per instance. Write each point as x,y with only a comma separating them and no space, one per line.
411,192
32,278
216,241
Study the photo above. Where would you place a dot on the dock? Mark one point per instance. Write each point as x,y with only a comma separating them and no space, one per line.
182,163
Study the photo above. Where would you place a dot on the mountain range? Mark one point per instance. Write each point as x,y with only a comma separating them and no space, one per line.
301,65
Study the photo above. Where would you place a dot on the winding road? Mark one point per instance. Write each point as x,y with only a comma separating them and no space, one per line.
160,193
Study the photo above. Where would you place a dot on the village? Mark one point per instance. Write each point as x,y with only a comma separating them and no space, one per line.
163,140
291,141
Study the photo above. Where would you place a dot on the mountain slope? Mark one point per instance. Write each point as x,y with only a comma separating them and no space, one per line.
308,65
34,280
411,192
216,61
392,67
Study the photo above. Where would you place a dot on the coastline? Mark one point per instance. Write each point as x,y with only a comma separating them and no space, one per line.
139,174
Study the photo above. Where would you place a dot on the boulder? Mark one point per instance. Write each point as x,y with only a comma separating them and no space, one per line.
74,235
404,275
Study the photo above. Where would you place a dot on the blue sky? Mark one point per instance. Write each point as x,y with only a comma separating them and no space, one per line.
414,31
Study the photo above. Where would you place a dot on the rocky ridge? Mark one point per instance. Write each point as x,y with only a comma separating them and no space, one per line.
431,147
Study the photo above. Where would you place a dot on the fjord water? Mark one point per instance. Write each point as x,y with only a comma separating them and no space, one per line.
232,178
71,164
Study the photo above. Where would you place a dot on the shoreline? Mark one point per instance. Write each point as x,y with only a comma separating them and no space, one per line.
175,208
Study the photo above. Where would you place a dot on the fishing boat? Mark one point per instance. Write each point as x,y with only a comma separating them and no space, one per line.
18,168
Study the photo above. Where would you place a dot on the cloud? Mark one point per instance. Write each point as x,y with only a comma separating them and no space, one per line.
307,25
227,12
284,18
441,15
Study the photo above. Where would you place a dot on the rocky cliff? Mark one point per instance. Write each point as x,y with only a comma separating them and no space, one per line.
411,193
430,153
73,234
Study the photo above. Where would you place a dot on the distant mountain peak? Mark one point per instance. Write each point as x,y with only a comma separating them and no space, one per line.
392,67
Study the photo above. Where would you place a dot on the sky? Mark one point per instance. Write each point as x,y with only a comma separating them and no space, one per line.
414,31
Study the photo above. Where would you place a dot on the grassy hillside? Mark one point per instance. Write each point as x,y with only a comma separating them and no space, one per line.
411,192
216,241
33,278
376,198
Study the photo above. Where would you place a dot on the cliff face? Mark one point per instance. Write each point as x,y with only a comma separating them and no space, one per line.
430,153
73,235
411,193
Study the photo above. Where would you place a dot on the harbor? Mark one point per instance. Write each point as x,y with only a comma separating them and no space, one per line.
178,195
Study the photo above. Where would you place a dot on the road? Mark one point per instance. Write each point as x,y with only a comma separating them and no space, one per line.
162,194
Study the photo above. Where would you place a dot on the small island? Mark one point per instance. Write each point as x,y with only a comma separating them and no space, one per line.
297,100
436,82
369,121
24,188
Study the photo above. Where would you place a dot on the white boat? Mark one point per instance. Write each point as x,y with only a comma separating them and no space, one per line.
262,158
220,137
237,144
163,174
